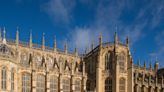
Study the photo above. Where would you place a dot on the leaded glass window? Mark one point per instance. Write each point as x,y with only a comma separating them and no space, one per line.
108,61
108,85
78,85
122,85
121,61
4,78
40,84
53,84
66,85
26,82
12,80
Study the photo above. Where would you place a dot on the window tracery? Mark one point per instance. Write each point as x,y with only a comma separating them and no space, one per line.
108,85
122,85
40,85
108,61
53,84
121,61
26,82
4,78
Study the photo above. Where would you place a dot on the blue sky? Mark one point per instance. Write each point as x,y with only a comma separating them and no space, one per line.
79,22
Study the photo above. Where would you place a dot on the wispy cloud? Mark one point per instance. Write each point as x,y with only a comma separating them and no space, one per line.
59,10
160,48
108,14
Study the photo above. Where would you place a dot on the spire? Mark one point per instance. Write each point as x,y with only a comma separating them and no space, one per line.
100,40
31,39
156,64
4,36
65,47
76,51
0,35
55,43
127,41
150,66
43,42
92,45
116,38
17,37
138,62
144,64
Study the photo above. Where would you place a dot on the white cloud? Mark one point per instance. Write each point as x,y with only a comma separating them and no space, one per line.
59,10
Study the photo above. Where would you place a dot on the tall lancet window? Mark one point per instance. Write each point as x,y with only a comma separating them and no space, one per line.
66,85
12,80
108,61
78,85
53,84
26,82
108,85
121,61
40,85
122,85
4,78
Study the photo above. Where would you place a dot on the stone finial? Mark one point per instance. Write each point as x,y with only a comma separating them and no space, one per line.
0,35
4,36
116,38
55,43
127,41
92,45
31,39
43,42
17,37
156,66
138,62
100,40
150,66
144,64
76,51
66,48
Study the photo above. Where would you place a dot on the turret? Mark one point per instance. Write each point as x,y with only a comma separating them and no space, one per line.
31,39
17,38
43,42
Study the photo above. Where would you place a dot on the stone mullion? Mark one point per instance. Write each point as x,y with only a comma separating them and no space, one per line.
60,86
72,83
34,82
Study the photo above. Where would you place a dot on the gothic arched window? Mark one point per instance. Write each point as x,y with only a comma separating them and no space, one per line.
26,82
108,61
40,84
4,78
108,85
121,61
66,85
12,80
53,84
122,85
77,85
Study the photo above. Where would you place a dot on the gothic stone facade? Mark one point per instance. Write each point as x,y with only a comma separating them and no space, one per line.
27,67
